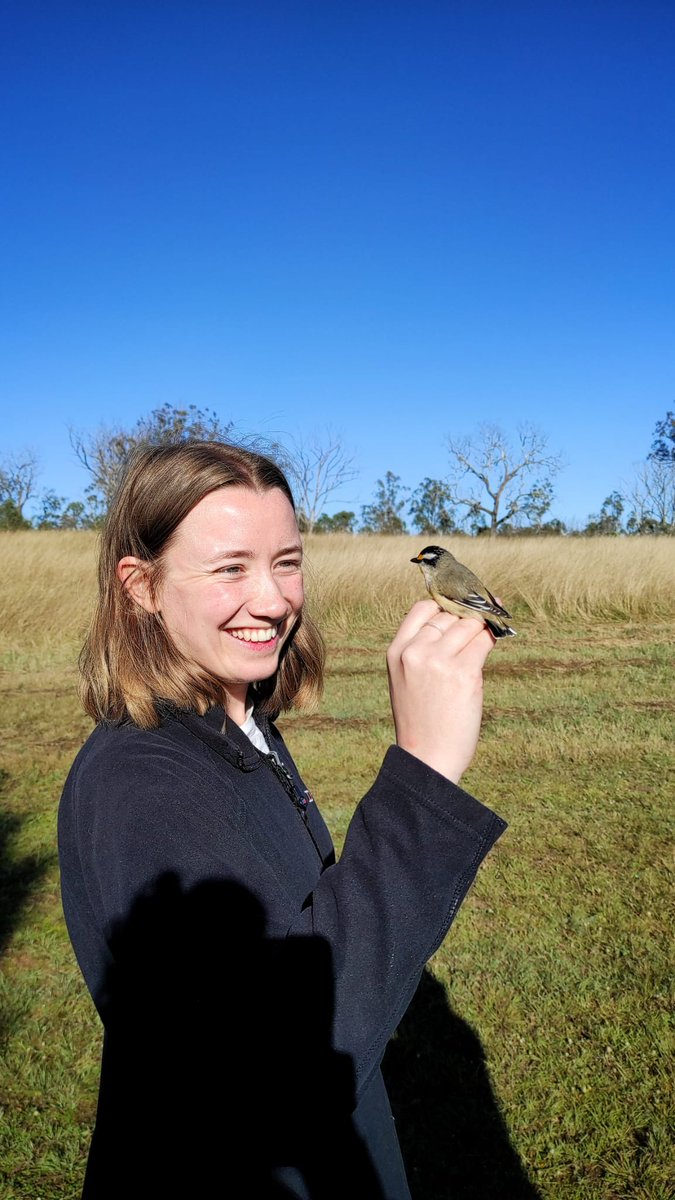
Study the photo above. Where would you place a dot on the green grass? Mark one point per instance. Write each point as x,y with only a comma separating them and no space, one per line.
538,1045
559,960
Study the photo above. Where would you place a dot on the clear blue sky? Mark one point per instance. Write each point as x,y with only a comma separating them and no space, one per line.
399,219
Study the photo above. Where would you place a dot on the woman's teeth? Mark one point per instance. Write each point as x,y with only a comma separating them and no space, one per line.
254,635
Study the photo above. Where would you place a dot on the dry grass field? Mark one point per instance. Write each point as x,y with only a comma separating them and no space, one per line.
535,1060
547,579
362,582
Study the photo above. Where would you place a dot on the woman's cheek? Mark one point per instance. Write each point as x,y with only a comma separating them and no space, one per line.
299,596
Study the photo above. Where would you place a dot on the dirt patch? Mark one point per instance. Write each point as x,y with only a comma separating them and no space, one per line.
334,724
368,650
518,714
61,743
561,666
349,672
39,691
23,960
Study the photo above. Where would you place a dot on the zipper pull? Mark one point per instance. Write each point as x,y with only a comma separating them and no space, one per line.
286,780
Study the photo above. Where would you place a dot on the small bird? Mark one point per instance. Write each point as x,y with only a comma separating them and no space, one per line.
456,589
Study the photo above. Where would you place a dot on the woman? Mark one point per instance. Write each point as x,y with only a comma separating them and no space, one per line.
248,984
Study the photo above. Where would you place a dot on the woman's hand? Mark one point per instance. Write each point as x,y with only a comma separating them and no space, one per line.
435,666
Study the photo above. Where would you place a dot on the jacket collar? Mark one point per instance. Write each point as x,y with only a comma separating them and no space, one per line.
232,744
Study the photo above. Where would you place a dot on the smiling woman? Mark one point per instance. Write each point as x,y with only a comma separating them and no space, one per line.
247,983
197,532
231,611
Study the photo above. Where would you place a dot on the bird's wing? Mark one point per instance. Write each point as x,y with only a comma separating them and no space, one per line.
475,594
499,608
484,604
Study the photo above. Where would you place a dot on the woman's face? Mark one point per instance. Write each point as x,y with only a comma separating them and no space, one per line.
232,586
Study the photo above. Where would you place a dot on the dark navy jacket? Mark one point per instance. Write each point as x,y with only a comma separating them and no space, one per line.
247,983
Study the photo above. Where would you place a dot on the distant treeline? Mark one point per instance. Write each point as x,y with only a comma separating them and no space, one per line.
497,485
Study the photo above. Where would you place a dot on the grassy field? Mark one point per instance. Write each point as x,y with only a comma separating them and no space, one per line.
534,1060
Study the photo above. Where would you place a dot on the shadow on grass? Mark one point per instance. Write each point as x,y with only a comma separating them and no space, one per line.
18,877
18,880
454,1139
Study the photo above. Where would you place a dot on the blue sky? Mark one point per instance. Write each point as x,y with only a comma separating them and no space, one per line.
398,220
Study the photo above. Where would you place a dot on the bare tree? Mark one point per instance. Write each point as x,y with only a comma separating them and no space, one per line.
105,453
652,497
497,480
18,476
318,468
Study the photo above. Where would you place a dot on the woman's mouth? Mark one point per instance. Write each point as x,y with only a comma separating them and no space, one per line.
257,638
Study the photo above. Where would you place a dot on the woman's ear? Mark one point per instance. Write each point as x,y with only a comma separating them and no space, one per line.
133,574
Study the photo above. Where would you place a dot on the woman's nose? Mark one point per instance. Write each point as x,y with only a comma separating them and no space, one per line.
268,600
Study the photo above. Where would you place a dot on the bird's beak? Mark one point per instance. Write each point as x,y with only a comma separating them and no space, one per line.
417,558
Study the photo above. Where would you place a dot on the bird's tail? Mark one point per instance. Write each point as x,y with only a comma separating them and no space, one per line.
499,631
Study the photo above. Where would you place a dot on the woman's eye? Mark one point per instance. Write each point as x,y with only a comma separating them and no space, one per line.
290,564
232,571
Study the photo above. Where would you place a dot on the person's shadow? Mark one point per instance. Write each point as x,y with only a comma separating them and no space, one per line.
19,878
218,1075
455,1142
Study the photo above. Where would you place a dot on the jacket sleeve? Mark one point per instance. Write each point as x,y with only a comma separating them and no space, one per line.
412,850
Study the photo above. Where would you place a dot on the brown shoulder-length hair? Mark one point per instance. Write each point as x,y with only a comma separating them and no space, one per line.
129,664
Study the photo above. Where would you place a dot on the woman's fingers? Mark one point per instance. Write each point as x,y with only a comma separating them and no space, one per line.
426,623
435,667
420,613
